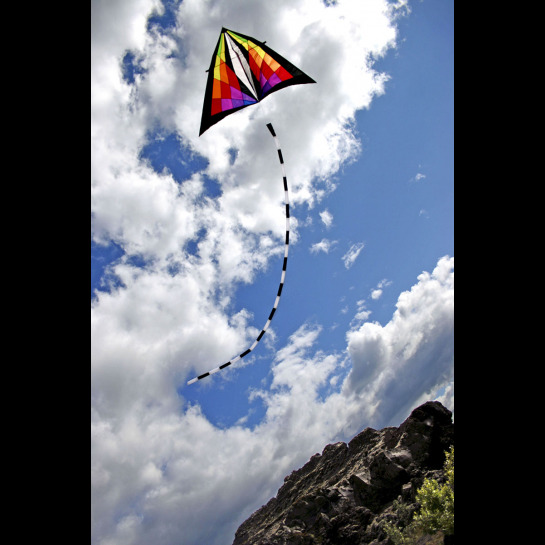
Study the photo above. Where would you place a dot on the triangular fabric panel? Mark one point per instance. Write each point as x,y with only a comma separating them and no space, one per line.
242,72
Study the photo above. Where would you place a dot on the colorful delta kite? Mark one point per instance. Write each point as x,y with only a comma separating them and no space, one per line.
243,71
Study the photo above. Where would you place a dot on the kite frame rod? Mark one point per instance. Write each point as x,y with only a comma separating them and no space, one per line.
282,278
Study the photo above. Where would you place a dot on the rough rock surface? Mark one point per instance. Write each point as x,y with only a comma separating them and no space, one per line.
344,495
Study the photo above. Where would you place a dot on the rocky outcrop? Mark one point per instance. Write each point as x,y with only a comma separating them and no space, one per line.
344,495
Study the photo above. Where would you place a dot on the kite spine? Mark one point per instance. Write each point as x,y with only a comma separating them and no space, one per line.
282,278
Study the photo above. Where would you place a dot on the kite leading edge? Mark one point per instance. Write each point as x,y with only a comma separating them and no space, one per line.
243,71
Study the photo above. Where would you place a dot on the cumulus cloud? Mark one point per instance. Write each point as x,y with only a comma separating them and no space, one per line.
412,352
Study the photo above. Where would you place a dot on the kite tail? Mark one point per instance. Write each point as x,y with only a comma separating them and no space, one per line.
284,265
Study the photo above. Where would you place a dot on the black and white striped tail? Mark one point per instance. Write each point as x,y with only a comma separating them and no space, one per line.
277,300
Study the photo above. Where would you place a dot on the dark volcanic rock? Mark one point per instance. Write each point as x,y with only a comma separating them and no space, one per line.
345,495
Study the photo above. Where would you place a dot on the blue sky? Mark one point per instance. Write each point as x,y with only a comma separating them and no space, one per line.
187,249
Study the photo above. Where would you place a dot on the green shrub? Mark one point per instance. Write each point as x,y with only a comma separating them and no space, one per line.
436,513
437,501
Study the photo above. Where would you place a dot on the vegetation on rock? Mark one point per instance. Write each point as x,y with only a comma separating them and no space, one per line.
435,517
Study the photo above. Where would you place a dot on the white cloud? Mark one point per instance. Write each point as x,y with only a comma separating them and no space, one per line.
414,351
352,254
323,246
362,314
327,218
376,293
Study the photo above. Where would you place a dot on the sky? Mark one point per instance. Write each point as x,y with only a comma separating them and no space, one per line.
187,245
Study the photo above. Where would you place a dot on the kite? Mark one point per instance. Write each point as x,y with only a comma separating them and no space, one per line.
243,71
